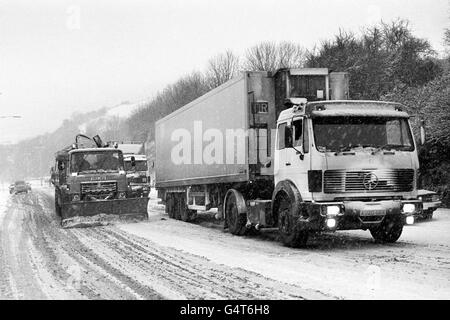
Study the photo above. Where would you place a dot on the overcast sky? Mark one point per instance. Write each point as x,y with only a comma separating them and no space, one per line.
58,57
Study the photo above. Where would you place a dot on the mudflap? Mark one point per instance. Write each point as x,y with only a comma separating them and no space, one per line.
103,212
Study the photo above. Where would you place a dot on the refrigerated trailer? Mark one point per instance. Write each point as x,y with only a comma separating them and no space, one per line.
288,150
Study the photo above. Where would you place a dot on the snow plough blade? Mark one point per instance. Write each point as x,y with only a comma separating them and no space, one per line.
103,212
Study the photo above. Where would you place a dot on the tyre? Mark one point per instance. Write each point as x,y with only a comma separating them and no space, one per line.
185,214
170,206
286,212
388,231
177,206
288,227
235,218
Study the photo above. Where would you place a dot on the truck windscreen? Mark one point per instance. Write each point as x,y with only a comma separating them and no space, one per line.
346,133
95,162
141,165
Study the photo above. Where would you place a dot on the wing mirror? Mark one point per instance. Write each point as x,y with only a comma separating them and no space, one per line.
422,132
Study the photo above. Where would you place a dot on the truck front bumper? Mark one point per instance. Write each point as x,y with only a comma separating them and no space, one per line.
137,190
132,207
348,215
431,205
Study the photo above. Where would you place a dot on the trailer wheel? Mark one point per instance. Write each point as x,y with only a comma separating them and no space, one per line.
388,231
185,214
188,215
235,214
288,228
170,205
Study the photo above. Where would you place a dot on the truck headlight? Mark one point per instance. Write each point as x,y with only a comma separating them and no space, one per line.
409,208
333,210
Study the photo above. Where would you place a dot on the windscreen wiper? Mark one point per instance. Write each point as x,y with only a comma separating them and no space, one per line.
343,149
384,147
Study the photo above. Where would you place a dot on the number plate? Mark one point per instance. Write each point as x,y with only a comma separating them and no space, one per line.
372,212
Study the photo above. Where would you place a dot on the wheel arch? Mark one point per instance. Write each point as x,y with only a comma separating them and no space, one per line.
288,188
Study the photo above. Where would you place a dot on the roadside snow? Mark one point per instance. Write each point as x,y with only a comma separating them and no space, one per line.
4,195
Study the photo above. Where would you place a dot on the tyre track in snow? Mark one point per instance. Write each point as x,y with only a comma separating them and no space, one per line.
98,280
40,260
183,275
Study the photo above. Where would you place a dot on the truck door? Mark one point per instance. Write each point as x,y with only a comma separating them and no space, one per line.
284,141
61,172
297,157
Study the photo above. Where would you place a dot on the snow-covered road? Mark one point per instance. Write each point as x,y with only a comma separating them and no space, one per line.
168,259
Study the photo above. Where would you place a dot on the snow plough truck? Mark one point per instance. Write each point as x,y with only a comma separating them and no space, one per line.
91,186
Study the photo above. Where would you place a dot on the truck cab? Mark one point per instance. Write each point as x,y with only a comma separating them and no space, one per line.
92,180
294,155
353,165
90,174
136,167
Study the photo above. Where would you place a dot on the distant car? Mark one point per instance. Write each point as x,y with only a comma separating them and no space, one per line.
431,202
19,187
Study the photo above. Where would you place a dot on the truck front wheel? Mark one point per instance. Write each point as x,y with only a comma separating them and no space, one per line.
289,231
429,214
388,230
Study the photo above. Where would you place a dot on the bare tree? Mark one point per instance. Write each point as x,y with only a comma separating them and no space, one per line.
447,37
222,68
290,55
270,56
262,57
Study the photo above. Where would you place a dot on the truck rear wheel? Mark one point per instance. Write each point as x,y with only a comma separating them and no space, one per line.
288,228
235,218
388,231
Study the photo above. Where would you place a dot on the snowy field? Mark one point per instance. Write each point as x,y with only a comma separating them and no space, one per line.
167,259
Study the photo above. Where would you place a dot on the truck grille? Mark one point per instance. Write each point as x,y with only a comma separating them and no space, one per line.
100,189
138,180
394,180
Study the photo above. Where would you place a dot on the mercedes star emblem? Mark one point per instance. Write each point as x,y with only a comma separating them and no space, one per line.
370,181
